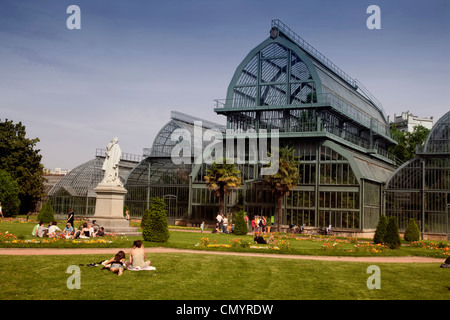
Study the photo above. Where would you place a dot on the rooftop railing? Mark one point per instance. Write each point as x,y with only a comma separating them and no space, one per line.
312,51
125,156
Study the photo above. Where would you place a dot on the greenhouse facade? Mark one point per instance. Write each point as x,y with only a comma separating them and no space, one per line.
338,129
420,188
287,89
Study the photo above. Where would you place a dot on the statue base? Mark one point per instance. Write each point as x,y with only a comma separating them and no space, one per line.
109,210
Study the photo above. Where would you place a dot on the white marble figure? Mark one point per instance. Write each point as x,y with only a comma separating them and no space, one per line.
111,164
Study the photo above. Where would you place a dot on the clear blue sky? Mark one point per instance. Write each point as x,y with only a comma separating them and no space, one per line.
133,62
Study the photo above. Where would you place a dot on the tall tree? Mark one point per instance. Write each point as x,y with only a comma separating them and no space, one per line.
22,161
9,194
222,178
285,179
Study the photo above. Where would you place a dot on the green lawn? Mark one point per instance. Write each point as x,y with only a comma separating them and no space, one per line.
185,276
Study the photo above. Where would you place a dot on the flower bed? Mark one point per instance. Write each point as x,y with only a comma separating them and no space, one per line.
7,237
239,242
433,246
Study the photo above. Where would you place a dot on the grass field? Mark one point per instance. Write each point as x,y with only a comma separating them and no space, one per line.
182,276
186,276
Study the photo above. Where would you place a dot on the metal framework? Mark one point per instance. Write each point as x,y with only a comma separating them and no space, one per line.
420,188
335,125
158,176
76,189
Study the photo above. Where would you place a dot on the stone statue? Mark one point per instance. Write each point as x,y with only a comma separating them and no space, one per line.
111,164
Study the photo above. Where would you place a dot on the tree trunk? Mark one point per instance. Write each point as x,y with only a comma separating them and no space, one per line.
279,208
221,202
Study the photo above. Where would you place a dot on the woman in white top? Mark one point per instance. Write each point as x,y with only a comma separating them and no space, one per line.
53,229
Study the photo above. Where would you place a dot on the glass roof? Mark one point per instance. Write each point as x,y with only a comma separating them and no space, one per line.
438,140
81,181
163,143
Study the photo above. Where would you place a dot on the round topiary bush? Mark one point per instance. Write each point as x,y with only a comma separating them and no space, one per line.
154,222
392,238
240,227
46,213
412,232
380,232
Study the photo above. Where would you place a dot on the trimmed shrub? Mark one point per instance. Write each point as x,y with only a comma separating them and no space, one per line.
240,227
392,238
154,222
380,232
46,213
412,232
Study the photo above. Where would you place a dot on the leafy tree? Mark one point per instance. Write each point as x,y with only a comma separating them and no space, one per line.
222,178
412,232
240,227
408,141
9,194
22,161
283,181
46,213
380,232
154,222
392,238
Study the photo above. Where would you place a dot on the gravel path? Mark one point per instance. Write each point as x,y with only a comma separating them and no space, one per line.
49,251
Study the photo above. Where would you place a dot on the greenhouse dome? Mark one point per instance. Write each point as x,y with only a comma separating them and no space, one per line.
158,176
76,189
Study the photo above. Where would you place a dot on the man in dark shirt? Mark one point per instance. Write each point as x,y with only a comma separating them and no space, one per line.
71,217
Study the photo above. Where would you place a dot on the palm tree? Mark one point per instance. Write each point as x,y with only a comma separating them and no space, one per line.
283,181
222,178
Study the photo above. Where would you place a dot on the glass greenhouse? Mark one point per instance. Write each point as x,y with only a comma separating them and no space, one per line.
420,188
336,126
286,88
76,189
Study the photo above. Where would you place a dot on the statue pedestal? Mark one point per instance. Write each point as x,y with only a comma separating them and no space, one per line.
109,210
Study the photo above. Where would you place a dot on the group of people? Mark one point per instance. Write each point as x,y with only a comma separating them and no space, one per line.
85,231
260,224
222,225
117,264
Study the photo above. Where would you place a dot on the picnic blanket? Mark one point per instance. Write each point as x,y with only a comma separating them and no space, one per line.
146,268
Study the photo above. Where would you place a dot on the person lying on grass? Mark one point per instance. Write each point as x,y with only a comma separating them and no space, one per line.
117,263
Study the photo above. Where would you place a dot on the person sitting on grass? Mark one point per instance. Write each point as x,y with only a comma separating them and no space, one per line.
137,256
116,263
42,231
68,231
53,229
35,229
100,232
86,231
